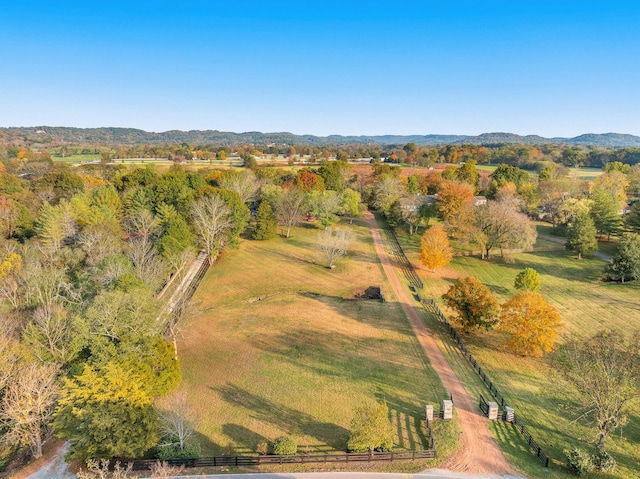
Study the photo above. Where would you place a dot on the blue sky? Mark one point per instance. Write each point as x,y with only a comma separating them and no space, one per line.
553,68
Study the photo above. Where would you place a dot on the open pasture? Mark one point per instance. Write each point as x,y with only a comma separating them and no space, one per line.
276,346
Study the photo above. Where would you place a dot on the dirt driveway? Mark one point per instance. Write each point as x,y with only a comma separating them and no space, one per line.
479,452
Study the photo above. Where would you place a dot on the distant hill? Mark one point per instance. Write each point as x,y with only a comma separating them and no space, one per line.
131,136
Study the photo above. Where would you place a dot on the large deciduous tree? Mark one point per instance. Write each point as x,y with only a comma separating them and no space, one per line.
603,374
475,305
501,226
530,323
455,206
435,251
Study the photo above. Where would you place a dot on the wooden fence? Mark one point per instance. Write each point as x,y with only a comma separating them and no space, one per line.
345,457
499,398
404,263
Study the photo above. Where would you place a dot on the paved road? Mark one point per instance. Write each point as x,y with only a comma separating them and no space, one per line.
479,452
432,474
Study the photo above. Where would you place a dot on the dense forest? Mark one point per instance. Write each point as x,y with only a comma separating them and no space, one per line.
131,136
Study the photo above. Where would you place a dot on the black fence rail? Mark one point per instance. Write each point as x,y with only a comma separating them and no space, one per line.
404,263
430,439
432,305
145,464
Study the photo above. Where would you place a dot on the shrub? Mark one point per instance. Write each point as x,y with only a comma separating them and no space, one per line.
284,446
578,462
602,460
3,465
528,280
262,448
172,451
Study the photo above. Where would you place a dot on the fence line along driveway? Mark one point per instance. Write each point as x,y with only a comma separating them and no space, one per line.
479,452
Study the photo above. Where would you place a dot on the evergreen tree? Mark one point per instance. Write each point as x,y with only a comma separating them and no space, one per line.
581,236
632,220
626,263
266,223
604,211
106,413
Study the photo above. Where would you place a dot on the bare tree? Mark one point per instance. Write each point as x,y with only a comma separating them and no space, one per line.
244,183
98,242
212,220
335,243
143,227
28,404
178,421
53,335
603,372
288,208
48,286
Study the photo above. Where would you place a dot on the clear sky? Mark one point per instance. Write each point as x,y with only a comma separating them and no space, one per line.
553,68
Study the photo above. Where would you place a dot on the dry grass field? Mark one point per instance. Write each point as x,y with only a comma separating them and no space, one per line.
276,345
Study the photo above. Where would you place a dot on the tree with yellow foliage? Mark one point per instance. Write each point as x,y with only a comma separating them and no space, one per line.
530,323
435,249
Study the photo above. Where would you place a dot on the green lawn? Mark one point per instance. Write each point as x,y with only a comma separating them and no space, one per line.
276,346
532,386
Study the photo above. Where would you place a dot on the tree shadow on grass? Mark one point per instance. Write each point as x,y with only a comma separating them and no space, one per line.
245,438
285,418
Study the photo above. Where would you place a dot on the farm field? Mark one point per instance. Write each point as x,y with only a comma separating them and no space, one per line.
276,346
530,385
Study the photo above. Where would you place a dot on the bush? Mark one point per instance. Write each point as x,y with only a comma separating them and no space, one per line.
262,448
603,461
578,462
3,465
172,451
284,446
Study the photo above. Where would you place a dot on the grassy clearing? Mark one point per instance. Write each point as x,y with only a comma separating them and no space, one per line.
277,347
586,305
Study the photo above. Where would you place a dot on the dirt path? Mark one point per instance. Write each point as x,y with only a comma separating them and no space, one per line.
479,452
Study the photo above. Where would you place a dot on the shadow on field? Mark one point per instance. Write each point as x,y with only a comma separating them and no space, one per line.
285,418
371,312
337,355
244,437
402,415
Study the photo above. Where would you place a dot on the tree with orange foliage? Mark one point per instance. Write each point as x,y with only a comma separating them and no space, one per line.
474,303
308,181
435,249
530,323
455,205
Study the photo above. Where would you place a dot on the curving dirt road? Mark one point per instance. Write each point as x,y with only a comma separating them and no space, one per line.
479,452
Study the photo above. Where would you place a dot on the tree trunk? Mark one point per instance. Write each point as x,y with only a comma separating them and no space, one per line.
601,437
